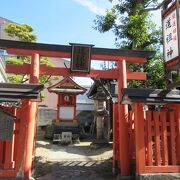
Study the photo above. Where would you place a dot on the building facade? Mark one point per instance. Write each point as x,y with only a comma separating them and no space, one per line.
3,35
3,54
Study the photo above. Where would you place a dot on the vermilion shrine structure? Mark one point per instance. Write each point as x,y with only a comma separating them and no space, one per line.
66,120
126,128
67,90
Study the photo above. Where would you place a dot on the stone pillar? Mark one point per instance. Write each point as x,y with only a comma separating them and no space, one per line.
100,127
100,113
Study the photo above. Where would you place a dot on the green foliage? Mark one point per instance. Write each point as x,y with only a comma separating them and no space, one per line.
106,22
14,61
155,74
131,23
16,78
45,60
25,33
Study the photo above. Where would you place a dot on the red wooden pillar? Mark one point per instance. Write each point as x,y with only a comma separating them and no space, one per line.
16,135
115,138
31,119
9,146
1,154
157,138
58,107
163,118
139,138
172,138
123,122
74,103
20,146
149,138
8,155
178,132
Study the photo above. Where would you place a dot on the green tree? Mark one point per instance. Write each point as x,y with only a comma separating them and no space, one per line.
24,32
130,20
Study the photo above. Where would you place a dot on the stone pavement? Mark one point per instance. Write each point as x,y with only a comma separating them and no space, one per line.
80,170
73,162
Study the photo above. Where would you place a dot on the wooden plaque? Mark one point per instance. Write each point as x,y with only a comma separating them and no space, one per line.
171,35
171,39
81,58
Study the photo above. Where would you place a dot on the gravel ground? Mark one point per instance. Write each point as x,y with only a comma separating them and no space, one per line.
72,162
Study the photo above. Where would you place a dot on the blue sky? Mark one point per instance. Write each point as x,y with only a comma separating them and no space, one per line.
62,21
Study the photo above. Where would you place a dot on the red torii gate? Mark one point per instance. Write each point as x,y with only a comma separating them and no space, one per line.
122,74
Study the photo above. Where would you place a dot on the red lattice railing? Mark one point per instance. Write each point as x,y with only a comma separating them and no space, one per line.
154,138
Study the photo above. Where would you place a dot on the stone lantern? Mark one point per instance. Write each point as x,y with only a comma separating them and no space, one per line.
100,113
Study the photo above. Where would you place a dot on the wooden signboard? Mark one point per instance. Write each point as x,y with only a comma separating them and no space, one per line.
171,39
6,126
81,58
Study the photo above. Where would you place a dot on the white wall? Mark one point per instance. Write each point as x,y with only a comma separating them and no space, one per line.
3,76
45,116
83,103
66,113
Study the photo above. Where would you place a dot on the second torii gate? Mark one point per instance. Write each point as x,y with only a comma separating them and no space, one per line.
121,73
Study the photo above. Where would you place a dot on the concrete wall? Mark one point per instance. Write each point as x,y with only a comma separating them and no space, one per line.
46,115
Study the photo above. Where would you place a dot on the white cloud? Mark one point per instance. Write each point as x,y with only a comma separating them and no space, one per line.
92,6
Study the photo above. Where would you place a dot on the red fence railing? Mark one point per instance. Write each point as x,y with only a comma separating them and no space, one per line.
116,133
7,164
12,152
157,139
154,138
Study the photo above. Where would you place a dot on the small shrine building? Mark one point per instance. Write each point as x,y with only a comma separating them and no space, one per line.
67,90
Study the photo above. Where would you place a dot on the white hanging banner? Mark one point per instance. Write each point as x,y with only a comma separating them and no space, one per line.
170,30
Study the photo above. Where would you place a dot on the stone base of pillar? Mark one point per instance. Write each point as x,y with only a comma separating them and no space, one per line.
125,177
98,143
159,176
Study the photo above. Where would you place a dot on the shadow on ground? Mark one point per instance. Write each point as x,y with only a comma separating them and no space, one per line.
80,149
74,170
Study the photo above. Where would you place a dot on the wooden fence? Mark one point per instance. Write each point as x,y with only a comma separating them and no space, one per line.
154,138
12,152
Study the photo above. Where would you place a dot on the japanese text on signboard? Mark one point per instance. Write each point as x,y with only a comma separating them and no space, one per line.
170,36
81,58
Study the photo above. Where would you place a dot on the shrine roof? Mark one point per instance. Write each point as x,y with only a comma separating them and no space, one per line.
14,92
66,85
150,96
93,90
